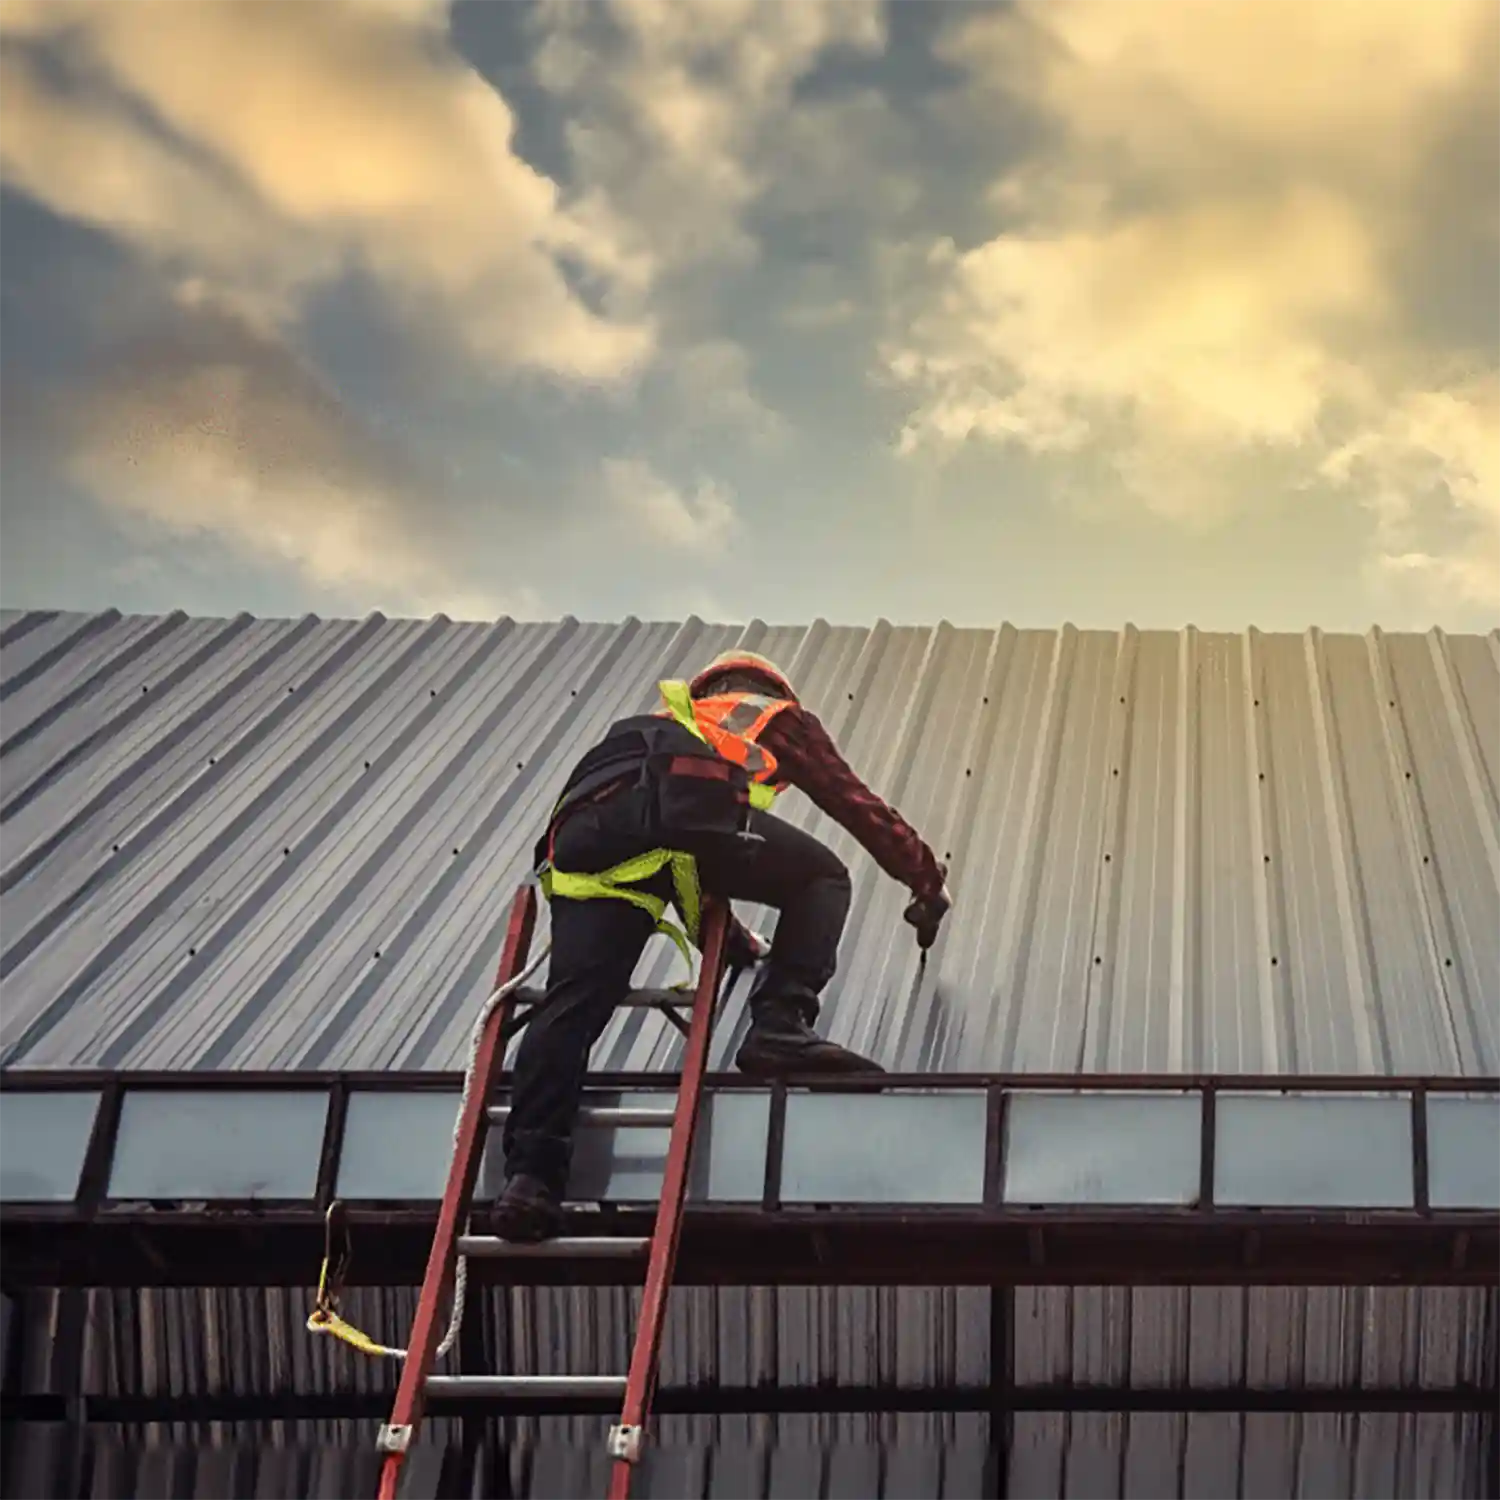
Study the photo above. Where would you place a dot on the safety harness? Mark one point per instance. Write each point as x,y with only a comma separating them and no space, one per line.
617,880
621,881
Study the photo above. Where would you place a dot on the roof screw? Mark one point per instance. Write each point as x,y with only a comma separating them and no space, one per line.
377,953
1274,960
520,764
986,700
432,693
367,765
1426,859
1262,775
114,848
1106,859
1257,702
1408,775
1122,700
1447,963
455,851
212,761
286,851
1115,772
1098,959
291,689
1267,858
145,687
192,953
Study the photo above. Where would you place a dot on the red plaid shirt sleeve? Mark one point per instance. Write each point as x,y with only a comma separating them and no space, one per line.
808,759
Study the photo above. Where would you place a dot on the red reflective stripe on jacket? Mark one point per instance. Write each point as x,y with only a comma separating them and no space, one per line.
699,766
733,723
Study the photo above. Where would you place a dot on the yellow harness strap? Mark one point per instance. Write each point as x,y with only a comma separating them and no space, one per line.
325,1320
679,698
615,882
324,1317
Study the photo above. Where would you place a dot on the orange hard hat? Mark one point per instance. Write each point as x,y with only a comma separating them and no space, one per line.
744,661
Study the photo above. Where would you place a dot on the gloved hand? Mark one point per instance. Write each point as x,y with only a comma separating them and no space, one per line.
926,915
745,947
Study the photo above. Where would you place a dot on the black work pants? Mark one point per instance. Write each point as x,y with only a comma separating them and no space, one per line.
596,945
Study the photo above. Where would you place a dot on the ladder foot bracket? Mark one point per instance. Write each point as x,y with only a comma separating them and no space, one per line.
625,1443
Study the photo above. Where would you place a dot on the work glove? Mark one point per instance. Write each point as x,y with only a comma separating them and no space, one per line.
926,913
745,947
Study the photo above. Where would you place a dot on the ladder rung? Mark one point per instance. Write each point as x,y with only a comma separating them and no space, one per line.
635,1000
598,1115
603,1247
525,1385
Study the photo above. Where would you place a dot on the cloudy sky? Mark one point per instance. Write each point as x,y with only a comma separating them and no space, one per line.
1158,311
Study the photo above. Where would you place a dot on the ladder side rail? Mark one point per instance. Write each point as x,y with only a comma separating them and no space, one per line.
640,1382
453,1213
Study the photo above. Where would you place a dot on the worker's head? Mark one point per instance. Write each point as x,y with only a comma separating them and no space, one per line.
742,672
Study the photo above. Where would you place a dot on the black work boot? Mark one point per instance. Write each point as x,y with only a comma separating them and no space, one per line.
780,1044
527,1211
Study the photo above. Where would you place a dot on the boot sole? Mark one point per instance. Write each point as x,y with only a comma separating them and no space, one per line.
526,1226
774,1069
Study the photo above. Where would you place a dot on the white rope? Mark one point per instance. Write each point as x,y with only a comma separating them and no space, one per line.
461,1270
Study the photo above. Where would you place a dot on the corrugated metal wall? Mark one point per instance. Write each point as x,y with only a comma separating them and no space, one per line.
1254,1456
1155,1456
283,844
1252,1339
184,1343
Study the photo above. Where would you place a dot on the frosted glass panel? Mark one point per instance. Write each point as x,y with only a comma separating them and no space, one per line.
43,1139
1463,1152
226,1144
627,1165
1102,1149
1276,1152
884,1148
400,1145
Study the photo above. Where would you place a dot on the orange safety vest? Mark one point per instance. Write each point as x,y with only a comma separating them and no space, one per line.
732,723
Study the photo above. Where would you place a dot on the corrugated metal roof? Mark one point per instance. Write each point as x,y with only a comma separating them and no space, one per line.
1283,851
290,843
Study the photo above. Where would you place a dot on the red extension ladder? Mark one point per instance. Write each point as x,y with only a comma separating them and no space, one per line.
638,1386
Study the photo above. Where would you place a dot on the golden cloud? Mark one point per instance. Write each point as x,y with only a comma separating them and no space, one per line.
266,146
1188,90
1200,262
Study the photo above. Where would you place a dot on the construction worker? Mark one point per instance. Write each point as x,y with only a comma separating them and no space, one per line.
668,804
